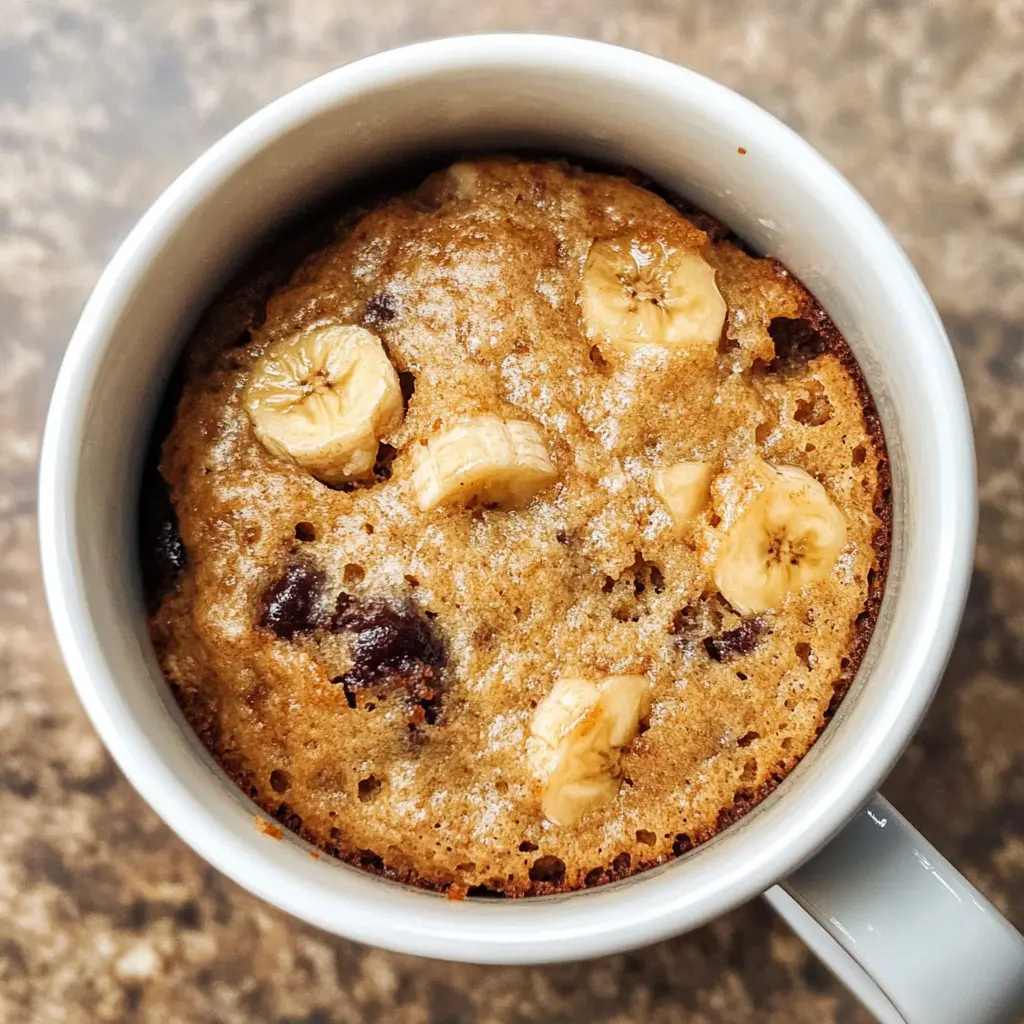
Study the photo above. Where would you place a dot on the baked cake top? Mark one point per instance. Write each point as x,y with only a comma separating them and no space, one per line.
532,531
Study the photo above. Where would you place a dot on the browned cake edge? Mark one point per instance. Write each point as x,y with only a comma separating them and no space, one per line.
254,284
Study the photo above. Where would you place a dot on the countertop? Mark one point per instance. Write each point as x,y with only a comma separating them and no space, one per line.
107,916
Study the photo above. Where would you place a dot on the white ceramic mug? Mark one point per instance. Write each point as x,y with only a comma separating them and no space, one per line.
939,952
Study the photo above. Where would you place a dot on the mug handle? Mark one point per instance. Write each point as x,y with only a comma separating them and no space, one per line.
902,928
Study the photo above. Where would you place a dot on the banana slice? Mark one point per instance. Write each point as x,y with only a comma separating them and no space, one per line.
576,738
487,458
636,292
684,488
789,535
323,398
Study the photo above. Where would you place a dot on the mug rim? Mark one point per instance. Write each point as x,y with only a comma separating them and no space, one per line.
449,929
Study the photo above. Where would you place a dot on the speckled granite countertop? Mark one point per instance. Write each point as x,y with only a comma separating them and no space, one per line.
107,916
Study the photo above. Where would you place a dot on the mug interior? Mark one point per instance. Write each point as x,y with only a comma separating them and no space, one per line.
565,97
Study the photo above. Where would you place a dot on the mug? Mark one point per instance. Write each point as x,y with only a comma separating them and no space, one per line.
882,908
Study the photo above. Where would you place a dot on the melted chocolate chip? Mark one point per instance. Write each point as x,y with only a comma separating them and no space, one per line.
168,547
392,646
741,640
380,309
163,554
388,640
291,604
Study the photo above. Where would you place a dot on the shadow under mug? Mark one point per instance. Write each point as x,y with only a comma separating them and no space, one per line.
913,939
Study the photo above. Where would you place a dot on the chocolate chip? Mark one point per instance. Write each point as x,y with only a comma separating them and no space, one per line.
741,640
163,554
392,645
380,309
291,604
388,639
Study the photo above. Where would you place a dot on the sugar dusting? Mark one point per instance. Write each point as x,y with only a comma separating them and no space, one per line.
482,284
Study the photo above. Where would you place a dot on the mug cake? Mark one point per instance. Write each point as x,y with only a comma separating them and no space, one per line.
514,533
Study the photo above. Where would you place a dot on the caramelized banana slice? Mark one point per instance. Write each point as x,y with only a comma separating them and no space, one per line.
576,738
790,534
486,458
637,292
323,398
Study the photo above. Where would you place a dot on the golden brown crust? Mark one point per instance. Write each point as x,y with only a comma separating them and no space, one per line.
474,294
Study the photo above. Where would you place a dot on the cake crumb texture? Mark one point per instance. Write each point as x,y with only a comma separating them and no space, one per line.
471,282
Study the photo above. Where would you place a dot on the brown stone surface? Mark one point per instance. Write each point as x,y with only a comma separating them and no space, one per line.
107,917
